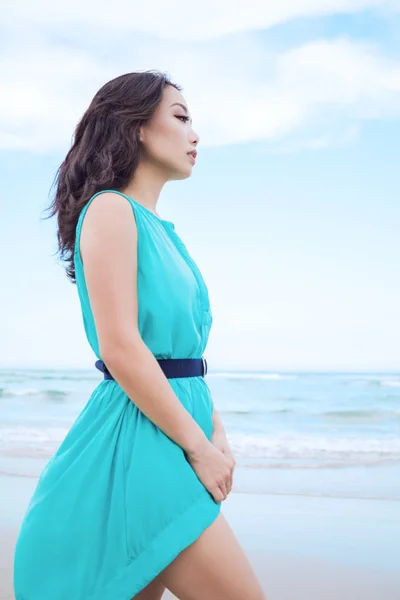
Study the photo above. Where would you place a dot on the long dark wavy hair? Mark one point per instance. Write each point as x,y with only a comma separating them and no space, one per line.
105,150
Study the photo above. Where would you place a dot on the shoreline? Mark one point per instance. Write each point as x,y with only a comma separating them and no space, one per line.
379,481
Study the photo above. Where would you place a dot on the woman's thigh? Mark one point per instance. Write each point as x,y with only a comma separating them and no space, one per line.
213,567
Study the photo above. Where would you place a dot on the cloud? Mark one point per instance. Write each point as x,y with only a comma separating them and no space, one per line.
179,20
336,138
239,88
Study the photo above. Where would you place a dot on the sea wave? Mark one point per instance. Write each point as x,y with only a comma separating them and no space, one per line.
251,449
373,414
313,451
31,441
50,393
265,376
340,414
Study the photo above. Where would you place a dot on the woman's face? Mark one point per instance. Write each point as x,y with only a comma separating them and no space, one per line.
168,136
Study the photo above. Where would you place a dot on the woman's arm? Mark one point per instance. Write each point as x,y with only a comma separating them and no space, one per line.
216,419
108,249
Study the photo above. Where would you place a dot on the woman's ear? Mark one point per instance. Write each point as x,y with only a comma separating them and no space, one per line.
141,135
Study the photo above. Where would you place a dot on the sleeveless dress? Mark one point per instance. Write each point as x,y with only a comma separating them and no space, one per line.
118,501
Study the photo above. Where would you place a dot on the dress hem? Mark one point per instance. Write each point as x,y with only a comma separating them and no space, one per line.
183,529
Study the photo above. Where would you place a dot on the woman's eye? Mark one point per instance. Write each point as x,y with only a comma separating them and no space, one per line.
182,117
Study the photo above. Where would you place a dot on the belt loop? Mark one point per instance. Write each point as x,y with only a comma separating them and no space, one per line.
204,366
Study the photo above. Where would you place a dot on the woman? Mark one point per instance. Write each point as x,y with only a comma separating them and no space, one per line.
129,505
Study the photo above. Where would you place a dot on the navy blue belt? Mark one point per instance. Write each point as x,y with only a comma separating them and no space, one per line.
172,367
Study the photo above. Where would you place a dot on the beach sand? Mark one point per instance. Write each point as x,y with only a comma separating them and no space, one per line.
301,547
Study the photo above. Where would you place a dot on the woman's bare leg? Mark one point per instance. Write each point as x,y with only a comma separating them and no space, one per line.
153,591
214,567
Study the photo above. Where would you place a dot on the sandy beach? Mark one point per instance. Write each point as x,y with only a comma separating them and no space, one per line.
301,547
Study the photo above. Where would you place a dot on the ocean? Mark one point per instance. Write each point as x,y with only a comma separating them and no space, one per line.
331,434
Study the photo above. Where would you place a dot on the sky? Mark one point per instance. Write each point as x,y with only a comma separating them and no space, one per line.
292,210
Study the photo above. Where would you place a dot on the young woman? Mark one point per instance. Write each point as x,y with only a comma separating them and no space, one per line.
130,503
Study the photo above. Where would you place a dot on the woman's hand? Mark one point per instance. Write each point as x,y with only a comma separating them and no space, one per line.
220,441
213,468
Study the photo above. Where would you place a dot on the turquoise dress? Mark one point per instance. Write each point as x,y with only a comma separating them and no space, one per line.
118,501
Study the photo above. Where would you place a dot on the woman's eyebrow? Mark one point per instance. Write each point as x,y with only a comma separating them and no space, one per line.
183,106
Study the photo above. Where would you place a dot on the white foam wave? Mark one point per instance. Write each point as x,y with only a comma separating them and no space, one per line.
22,392
390,383
265,376
30,441
316,449
31,434
263,450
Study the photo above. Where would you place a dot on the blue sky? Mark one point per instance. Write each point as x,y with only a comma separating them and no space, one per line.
292,211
